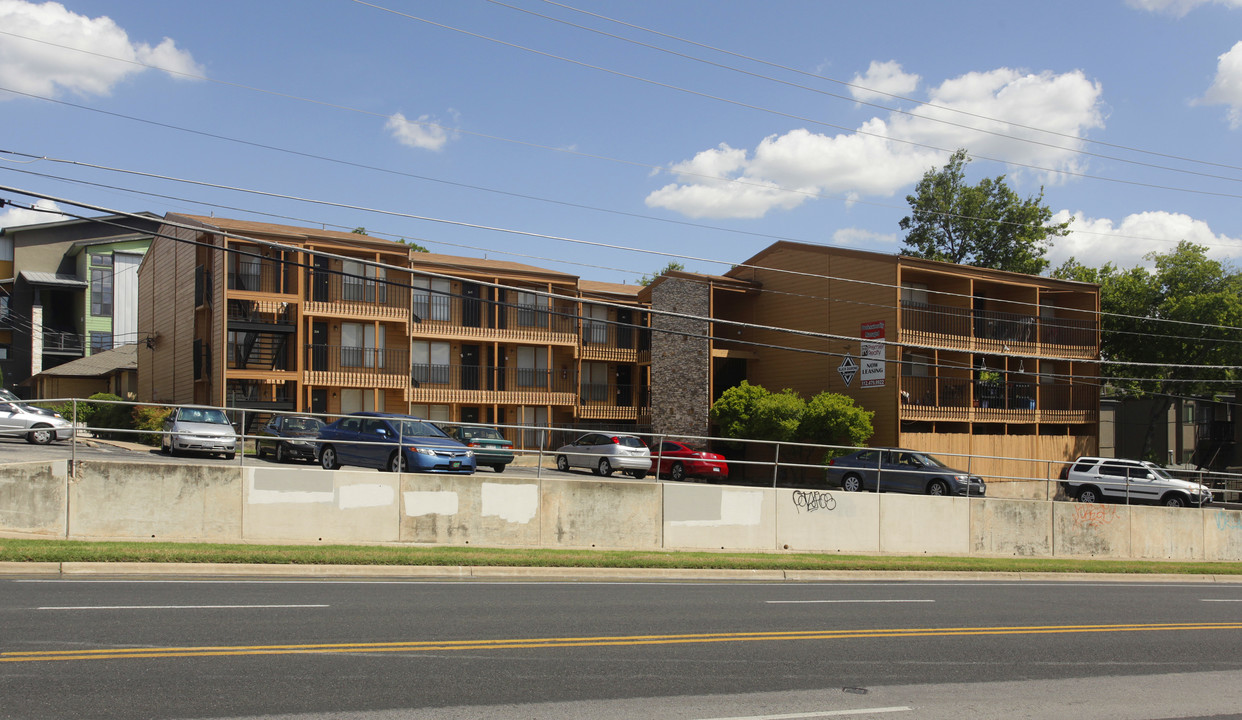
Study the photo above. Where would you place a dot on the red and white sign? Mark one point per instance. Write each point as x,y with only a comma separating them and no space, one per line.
871,372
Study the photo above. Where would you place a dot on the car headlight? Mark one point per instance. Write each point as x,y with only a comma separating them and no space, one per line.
469,453
423,451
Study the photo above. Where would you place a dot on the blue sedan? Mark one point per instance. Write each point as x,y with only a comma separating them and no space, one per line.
387,441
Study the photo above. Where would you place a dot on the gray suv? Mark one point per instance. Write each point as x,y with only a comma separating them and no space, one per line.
1096,479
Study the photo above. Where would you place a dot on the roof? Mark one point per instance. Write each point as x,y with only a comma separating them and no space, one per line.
594,287
54,279
717,281
124,357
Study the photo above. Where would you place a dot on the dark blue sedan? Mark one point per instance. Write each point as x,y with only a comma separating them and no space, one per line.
387,441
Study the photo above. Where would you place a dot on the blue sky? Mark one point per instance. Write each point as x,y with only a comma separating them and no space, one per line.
607,139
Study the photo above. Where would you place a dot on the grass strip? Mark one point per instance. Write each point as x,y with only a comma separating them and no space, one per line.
31,550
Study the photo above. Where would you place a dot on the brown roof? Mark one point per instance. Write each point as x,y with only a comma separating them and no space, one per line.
593,287
124,357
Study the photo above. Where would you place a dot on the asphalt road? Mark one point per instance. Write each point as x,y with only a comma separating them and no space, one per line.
237,647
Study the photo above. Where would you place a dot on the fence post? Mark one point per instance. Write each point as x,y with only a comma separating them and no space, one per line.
241,450
776,464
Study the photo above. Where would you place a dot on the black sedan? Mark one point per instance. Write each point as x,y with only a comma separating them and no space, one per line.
898,470
289,437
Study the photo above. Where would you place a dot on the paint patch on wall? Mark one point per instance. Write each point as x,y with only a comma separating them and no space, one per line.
350,497
514,503
737,507
269,493
439,502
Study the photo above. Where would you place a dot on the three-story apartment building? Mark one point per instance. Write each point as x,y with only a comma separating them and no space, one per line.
272,317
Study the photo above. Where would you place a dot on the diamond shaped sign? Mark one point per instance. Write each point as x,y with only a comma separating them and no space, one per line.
848,368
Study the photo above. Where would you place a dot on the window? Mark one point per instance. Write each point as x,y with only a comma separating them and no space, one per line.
362,283
1188,413
357,400
913,294
532,369
595,381
435,413
4,306
100,341
361,345
594,324
430,362
431,298
101,285
532,309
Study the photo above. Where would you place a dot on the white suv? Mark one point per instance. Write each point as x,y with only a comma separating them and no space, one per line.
1095,479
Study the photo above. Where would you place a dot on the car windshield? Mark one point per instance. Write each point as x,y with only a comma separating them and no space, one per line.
925,460
483,433
1158,471
417,428
200,415
303,424
628,441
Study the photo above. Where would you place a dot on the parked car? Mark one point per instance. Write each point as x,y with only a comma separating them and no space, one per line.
392,442
491,449
39,428
289,437
900,470
1096,479
9,397
680,461
198,429
605,452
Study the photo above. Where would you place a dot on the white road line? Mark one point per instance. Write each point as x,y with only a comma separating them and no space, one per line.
1220,600
174,607
804,602
825,713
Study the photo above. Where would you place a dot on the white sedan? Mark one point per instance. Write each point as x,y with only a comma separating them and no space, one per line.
605,452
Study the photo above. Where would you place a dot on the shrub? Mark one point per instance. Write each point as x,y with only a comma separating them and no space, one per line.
150,417
104,415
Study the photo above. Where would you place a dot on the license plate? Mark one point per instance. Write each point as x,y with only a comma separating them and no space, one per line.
455,464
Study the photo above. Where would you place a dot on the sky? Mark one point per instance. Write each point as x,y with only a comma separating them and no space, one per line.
607,139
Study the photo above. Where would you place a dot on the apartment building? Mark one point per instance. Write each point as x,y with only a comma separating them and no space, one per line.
272,317
951,358
70,291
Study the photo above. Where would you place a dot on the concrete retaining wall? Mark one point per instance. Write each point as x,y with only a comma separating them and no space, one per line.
132,501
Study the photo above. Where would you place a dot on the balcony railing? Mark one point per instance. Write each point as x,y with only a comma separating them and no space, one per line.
495,379
355,366
1000,327
957,399
255,275
476,317
62,342
333,287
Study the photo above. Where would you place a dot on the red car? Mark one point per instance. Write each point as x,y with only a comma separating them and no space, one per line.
680,461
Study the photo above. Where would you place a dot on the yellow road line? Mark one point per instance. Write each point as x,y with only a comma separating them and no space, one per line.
603,641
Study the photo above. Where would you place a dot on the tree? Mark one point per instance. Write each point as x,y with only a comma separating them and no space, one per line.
1202,298
671,267
412,245
985,225
834,419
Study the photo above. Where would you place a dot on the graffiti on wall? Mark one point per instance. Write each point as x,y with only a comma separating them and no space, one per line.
813,500
1094,516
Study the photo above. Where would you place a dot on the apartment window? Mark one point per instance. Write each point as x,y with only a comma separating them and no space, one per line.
101,285
361,345
594,324
100,341
595,381
431,298
358,400
435,413
532,309
532,367
913,294
4,352
362,282
913,365
4,306
1188,413
430,362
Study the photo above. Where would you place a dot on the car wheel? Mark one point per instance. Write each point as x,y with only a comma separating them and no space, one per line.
1089,494
396,462
40,435
562,463
281,455
229,456
938,488
1174,500
678,472
259,452
605,467
851,483
327,458
638,474
165,445
499,468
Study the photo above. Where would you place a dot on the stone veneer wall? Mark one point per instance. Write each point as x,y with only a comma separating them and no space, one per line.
681,361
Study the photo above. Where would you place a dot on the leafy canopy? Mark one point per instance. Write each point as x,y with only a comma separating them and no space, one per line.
671,267
985,225
752,412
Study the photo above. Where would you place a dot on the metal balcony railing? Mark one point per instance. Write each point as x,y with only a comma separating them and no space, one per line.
355,359
995,325
614,394
496,379
962,393
256,275
60,341
614,335
438,309
331,287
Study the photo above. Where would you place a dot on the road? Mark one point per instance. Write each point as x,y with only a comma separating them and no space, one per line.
324,648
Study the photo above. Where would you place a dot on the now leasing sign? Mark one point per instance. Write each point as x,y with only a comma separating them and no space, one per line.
872,365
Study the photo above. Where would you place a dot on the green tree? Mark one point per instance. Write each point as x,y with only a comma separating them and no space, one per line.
671,267
1202,298
752,412
413,245
834,419
985,225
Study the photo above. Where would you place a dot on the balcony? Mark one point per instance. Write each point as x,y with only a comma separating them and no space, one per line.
476,384
470,319
602,401
62,342
610,342
961,400
332,294
991,331
247,274
352,366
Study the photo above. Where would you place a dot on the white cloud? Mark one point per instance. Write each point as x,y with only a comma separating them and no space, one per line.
15,216
867,240
1178,7
1096,241
885,155
1226,89
422,133
43,68
885,78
